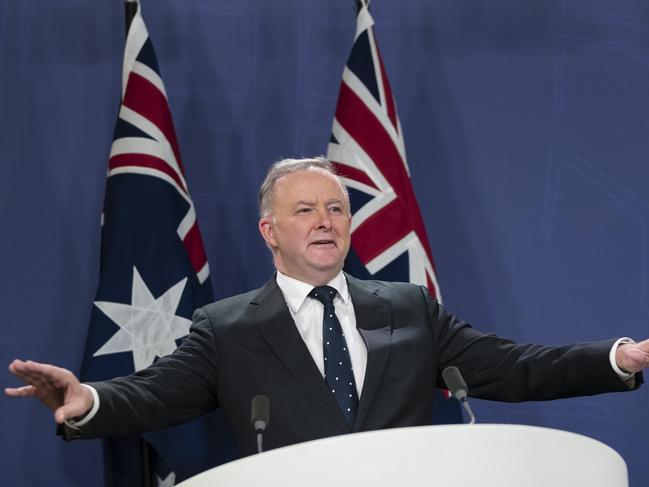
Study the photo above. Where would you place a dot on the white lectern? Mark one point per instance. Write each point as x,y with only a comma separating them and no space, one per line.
484,455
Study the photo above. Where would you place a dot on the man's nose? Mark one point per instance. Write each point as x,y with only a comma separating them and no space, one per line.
324,219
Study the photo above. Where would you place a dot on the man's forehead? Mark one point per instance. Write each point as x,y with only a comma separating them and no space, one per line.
295,188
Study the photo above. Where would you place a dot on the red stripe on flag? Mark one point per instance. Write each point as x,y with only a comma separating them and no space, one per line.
194,246
431,287
371,239
352,173
145,160
358,120
144,98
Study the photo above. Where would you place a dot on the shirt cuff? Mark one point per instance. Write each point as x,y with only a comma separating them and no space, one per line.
76,424
623,375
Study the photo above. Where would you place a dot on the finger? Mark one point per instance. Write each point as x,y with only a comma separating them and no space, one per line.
17,368
44,369
29,366
14,363
23,366
41,375
70,411
37,380
23,370
60,415
24,391
56,376
51,397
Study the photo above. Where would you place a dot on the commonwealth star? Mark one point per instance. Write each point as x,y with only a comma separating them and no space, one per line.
148,326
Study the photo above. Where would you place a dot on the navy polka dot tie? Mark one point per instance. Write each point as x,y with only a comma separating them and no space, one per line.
337,364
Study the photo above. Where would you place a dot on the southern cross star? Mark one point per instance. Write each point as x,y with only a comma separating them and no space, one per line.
148,326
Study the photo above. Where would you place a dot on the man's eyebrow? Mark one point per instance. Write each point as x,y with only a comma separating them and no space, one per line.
313,203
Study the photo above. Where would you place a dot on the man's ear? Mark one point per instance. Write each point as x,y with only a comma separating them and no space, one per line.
267,230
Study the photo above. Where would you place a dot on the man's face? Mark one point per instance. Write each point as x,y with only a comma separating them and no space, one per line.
308,228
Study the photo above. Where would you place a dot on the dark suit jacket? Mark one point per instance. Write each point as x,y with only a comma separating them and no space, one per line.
248,344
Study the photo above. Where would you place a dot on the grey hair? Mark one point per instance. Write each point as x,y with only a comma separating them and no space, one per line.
283,167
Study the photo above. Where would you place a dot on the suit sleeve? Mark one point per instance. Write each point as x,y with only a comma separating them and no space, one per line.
175,389
499,369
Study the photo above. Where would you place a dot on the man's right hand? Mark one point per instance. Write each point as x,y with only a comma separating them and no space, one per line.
57,388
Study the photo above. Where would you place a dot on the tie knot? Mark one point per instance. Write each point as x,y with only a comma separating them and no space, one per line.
324,294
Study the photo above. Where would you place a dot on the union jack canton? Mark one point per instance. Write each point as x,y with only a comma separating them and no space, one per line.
367,147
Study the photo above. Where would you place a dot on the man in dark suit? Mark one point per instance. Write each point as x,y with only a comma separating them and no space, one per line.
334,354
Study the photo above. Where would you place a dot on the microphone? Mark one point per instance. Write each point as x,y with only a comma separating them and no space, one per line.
455,383
260,418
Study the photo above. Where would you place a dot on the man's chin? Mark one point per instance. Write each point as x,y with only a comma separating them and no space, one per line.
332,265
325,258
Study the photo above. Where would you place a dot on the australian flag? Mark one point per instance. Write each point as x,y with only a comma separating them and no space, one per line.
389,240
154,269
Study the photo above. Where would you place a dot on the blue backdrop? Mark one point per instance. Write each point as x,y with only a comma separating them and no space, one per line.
526,127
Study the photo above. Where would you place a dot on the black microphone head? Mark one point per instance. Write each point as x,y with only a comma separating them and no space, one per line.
455,383
260,417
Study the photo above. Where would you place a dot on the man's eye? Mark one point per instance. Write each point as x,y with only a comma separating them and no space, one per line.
303,210
336,209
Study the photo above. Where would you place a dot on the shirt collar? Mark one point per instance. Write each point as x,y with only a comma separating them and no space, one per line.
295,292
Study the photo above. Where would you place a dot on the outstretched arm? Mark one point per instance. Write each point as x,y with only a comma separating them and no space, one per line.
55,387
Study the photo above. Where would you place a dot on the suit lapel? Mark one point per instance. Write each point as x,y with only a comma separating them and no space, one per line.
373,320
273,319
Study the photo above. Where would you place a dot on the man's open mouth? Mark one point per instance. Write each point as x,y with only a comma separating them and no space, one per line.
323,242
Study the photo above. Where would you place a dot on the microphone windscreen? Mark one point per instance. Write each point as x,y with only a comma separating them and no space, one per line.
260,410
455,383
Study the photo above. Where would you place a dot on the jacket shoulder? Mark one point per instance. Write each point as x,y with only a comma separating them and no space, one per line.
226,311
388,289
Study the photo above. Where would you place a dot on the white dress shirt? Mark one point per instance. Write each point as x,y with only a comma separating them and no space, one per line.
308,314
